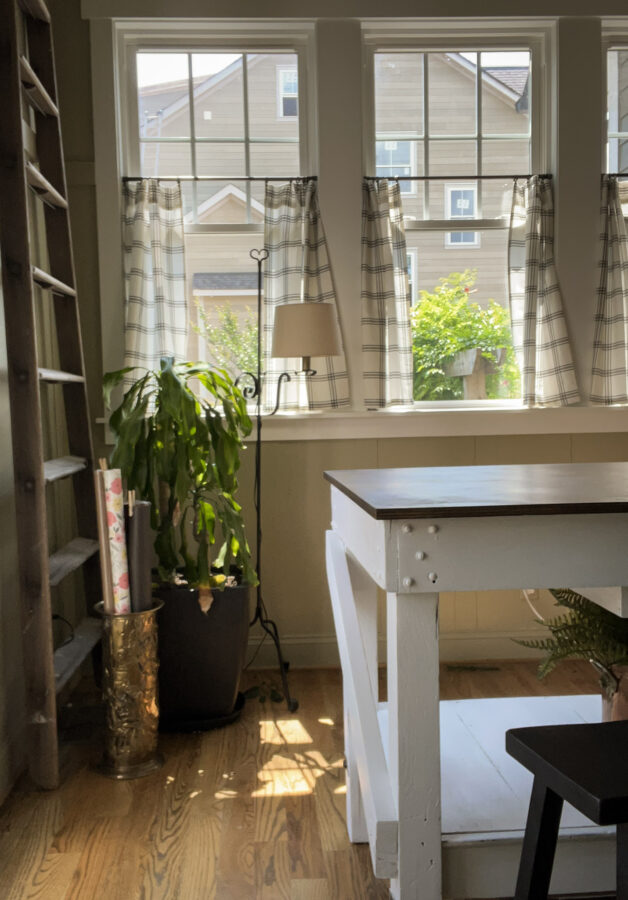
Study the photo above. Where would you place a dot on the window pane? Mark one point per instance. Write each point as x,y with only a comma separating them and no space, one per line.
220,158
218,95
617,68
221,203
275,159
452,158
505,157
497,198
222,293
463,275
452,93
505,93
163,95
273,95
165,158
399,93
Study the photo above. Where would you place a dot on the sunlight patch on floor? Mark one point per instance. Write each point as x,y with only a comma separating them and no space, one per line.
283,731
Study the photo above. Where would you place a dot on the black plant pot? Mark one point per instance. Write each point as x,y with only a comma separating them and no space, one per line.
201,657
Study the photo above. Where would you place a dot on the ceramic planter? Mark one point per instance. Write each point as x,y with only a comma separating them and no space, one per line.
617,707
201,657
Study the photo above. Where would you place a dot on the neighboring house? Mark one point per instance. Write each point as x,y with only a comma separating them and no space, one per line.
407,141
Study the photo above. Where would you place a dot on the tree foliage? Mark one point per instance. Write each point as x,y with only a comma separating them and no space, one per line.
231,338
182,453
586,631
445,322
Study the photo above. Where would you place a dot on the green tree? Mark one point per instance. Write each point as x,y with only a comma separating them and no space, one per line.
445,322
231,338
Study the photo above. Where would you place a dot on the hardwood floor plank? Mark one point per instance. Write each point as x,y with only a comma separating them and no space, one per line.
26,839
304,843
53,878
311,889
272,871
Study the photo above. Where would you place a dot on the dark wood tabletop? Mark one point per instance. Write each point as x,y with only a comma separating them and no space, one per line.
457,491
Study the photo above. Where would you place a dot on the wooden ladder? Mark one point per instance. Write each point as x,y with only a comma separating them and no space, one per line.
27,74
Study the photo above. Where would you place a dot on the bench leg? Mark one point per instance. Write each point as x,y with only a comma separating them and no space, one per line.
539,843
622,862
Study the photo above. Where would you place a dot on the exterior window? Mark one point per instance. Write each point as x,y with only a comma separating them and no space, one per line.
617,110
447,118
394,158
288,93
460,203
412,277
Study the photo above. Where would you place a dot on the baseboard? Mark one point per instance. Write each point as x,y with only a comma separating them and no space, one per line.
307,651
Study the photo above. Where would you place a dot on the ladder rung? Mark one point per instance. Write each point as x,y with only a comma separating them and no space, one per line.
70,558
69,657
49,282
56,376
37,94
63,467
42,187
36,9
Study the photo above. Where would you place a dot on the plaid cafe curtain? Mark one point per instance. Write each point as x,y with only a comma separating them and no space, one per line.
297,269
154,270
609,380
386,335
538,324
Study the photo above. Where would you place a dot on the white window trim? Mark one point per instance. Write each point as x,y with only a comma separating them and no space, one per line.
413,257
448,188
281,93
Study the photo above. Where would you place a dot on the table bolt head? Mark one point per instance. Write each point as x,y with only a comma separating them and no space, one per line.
408,582
407,529
433,577
420,554
432,529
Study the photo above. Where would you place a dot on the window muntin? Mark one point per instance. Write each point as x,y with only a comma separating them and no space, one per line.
214,113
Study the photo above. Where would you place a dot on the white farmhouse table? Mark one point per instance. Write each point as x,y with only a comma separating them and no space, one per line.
415,532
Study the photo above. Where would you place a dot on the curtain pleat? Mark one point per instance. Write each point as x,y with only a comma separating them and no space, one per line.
386,334
154,266
298,270
538,322
609,379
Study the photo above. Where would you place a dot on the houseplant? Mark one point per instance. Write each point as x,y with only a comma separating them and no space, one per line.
587,631
180,449
446,324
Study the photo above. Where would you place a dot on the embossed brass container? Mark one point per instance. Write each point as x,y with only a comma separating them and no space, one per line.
130,665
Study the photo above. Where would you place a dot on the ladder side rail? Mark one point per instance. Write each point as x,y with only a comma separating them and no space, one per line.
30,499
50,155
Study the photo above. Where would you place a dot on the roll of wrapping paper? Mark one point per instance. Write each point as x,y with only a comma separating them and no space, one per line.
103,541
139,540
117,541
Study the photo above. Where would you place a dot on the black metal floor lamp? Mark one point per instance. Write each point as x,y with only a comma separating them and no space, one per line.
299,330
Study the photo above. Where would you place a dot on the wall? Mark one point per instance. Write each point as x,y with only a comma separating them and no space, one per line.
295,497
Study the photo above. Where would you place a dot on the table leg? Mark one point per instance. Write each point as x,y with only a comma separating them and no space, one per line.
414,742
365,599
622,861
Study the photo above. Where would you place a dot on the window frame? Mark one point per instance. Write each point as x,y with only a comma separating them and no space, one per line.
449,188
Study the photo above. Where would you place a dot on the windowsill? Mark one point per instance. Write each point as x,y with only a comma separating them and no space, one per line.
440,422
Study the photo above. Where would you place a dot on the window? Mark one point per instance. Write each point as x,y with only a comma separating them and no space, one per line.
288,85
412,261
617,110
209,116
449,117
460,203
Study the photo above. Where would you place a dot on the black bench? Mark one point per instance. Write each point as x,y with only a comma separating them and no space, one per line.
586,765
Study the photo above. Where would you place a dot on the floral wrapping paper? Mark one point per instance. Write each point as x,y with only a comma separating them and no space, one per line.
117,542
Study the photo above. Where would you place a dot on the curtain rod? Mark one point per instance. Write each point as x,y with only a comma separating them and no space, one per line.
614,175
218,178
448,177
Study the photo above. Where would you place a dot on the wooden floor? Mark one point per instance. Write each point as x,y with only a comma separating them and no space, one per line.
254,810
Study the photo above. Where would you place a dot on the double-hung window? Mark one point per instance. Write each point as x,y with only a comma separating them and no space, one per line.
221,115
617,107
464,111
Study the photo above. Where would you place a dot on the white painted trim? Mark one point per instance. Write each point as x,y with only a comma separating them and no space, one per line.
320,651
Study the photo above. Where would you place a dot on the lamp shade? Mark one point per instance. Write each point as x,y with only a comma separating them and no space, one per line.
305,329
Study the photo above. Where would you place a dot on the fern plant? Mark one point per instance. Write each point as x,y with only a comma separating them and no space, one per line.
586,631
